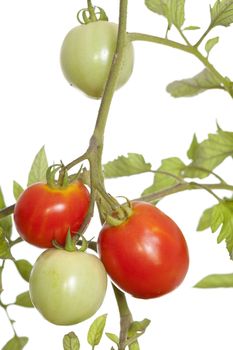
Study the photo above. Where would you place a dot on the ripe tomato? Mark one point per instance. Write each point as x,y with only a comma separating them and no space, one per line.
147,255
67,287
86,56
43,214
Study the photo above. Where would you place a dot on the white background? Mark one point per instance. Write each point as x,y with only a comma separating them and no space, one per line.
38,107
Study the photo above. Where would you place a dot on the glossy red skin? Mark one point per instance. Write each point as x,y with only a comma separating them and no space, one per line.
43,214
146,256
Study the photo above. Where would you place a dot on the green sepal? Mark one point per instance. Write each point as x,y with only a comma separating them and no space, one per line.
70,245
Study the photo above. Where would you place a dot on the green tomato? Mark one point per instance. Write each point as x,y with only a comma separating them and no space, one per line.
86,56
67,287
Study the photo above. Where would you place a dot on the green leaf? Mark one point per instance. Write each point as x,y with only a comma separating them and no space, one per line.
221,13
24,299
201,82
212,152
161,7
138,327
193,148
125,166
17,190
191,28
6,222
205,220
96,330
216,281
220,217
5,252
210,44
38,168
71,342
113,337
173,10
170,169
16,343
24,268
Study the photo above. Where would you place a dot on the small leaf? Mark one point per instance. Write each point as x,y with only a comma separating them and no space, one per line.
171,169
17,190
24,299
71,342
24,268
113,337
220,216
138,327
210,44
161,7
16,343
191,28
6,222
221,13
5,252
96,330
213,151
216,281
125,166
201,82
38,168
172,10
193,147
205,220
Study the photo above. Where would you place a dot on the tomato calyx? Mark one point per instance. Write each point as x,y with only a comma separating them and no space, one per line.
64,180
121,214
91,14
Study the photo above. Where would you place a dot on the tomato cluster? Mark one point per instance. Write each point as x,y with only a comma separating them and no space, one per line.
145,254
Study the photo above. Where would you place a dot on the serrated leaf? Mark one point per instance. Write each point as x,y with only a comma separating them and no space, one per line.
132,164
17,190
210,44
71,342
38,169
24,299
96,329
113,337
216,281
212,152
16,343
191,28
205,220
170,169
221,13
173,10
201,82
220,216
5,252
6,222
24,268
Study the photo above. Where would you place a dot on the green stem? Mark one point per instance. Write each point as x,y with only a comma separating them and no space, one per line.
186,48
7,211
91,10
180,187
125,316
198,43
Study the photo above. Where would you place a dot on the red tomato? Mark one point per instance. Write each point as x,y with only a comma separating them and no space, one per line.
147,255
43,214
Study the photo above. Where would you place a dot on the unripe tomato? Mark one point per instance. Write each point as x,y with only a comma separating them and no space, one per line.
67,287
147,255
86,56
43,214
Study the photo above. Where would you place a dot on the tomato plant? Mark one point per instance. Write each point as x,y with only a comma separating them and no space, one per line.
147,255
86,56
43,214
67,287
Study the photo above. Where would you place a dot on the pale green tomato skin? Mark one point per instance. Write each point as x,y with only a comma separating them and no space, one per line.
86,56
67,287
